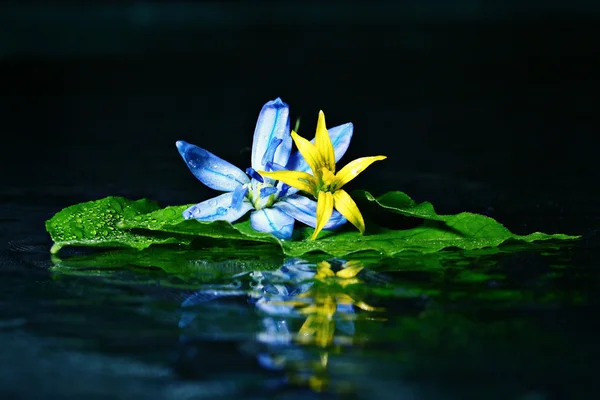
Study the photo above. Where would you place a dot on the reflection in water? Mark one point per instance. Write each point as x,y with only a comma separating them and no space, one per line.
309,316
458,324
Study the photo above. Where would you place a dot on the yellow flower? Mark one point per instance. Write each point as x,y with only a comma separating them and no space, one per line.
324,184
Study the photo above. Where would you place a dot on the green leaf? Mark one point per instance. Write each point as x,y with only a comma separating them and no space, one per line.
117,222
465,231
94,224
170,219
399,203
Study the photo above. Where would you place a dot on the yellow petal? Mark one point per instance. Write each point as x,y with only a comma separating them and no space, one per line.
347,207
351,269
324,270
300,180
353,168
309,152
324,211
307,327
323,143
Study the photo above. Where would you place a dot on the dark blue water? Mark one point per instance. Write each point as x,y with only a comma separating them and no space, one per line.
488,111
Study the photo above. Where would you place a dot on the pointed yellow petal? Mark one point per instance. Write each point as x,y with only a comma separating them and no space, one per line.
347,207
300,180
309,151
324,211
307,327
353,168
323,143
351,269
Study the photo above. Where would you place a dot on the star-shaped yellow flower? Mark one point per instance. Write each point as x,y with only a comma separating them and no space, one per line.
324,184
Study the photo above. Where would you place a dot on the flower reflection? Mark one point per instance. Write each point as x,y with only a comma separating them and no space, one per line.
329,322
308,316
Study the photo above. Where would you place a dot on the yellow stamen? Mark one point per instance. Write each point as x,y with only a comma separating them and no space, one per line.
328,179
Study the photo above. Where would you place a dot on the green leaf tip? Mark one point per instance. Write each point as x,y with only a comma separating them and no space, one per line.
95,224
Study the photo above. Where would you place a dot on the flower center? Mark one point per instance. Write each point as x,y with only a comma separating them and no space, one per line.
326,181
261,195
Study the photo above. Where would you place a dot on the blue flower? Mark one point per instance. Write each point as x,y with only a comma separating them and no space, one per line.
274,204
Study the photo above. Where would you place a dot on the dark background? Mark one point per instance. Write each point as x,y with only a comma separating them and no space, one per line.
483,106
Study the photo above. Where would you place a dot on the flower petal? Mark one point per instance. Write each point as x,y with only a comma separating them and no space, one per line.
353,168
340,136
305,210
347,207
218,209
273,124
350,269
324,211
309,152
273,221
323,143
300,180
211,170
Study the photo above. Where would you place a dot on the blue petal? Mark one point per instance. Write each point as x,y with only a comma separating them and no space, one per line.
273,221
340,138
273,123
305,210
218,209
211,170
